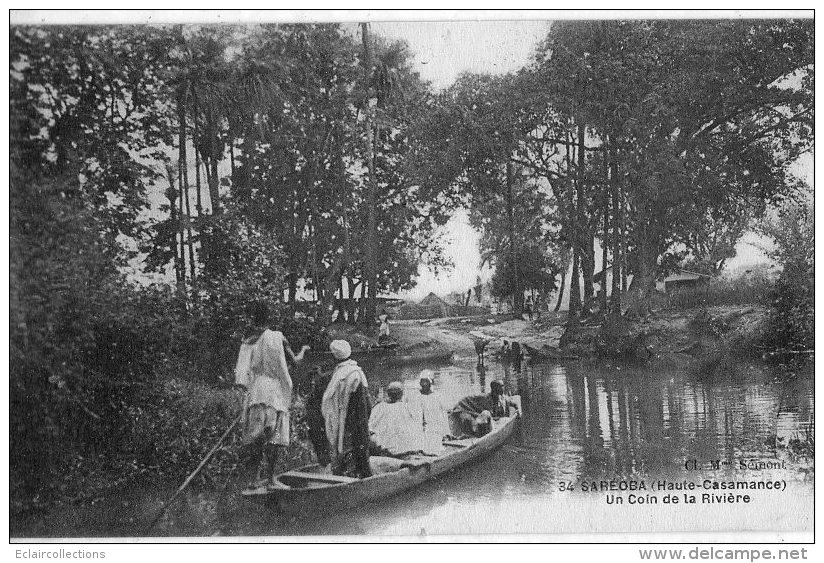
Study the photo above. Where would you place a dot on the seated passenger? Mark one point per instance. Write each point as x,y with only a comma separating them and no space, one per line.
392,427
474,414
431,415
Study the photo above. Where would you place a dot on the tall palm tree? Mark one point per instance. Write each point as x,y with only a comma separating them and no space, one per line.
383,82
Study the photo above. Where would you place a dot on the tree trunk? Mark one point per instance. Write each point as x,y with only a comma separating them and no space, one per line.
575,285
574,282
214,189
616,240
517,291
189,241
586,238
212,162
343,259
622,222
172,195
561,291
185,195
351,303
362,303
342,303
182,175
293,286
208,174
372,191
574,203
605,237
588,268
195,135
643,282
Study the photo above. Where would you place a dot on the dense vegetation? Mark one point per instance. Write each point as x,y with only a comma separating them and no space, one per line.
163,176
663,140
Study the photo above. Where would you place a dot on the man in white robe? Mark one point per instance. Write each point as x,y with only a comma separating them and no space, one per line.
392,426
432,415
262,370
345,407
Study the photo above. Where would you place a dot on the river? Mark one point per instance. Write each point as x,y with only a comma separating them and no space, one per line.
586,423
585,426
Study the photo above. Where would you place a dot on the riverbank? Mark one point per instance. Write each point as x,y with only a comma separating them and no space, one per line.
696,332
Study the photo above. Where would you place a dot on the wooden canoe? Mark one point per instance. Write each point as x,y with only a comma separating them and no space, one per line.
308,489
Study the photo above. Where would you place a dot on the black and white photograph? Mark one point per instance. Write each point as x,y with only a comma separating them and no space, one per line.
498,276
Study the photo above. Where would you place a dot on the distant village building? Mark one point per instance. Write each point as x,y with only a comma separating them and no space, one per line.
675,280
682,279
433,301
433,306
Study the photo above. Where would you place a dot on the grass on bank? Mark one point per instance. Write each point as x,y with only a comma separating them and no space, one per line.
745,290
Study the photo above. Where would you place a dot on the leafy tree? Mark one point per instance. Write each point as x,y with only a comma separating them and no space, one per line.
792,322
535,270
98,99
467,150
83,342
692,129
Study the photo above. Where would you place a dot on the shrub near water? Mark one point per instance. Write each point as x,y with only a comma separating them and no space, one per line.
174,436
167,435
745,290
792,323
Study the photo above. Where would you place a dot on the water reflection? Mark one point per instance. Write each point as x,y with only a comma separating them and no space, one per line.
621,421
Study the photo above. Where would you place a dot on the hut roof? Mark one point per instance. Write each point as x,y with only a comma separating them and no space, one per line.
432,300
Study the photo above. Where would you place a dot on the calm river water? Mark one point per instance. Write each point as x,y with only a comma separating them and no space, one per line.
583,423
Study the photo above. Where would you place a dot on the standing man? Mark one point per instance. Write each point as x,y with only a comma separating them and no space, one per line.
480,347
261,369
346,412
433,416
383,332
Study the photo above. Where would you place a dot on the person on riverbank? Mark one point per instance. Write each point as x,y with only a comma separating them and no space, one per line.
506,352
480,348
383,330
392,426
432,415
474,414
345,407
262,370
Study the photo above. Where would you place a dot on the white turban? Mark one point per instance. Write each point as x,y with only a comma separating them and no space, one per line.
340,349
428,374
